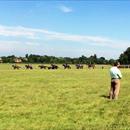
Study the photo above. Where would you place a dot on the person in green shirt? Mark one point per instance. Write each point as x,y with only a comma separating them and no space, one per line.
116,75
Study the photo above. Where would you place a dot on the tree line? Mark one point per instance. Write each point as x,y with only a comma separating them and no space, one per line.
32,58
124,58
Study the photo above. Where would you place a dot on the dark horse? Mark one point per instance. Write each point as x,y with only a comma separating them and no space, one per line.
79,66
42,66
28,67
91,66
66,66
53,66
16,67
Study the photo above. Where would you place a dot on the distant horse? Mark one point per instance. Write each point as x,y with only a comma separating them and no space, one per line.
91,66
42,66
28,67
66,66
79,66
53,66
16,67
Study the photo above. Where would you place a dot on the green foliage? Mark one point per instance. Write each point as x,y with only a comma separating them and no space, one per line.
62,100
93,59
8,59
125,57
52,59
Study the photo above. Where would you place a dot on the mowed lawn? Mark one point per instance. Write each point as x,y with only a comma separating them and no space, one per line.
62,100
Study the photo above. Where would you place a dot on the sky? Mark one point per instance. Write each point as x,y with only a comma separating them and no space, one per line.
64,28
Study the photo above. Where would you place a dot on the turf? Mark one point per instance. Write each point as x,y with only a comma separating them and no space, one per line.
62,100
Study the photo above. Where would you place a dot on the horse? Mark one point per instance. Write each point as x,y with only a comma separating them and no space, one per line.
16,67
42,66
53,66
79,66
28,67
91,66
66,66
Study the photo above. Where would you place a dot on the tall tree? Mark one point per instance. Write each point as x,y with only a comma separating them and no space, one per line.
125,57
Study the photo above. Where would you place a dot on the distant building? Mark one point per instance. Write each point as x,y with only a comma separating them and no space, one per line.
1,61
17,60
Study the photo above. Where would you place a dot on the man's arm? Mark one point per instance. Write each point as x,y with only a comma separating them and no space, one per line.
119,74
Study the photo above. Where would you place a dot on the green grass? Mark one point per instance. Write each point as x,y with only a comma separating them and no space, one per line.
62,100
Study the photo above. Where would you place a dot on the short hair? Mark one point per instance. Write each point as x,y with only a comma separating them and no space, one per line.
116,63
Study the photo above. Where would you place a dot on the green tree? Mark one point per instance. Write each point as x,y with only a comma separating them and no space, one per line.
101,60
125,57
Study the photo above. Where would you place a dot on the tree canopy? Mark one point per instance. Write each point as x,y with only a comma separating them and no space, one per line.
32,58
124,58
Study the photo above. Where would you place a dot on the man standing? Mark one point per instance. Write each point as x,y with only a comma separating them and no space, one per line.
115,81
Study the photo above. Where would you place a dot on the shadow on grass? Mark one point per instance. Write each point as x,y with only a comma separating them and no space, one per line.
104,96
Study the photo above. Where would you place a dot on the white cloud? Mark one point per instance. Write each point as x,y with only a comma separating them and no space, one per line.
41,34
65,9
32,33
32,43
78,38
15,31
19,48
5,46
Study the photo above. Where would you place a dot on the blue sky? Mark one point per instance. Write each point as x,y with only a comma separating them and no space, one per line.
64,28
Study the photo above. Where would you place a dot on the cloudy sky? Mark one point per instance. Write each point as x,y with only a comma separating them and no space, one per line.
64,28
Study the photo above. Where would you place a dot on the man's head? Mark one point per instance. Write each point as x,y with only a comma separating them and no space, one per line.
117,63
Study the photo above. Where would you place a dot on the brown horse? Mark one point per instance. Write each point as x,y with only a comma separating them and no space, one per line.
16,67
28,67
53,66
42,66
66,66
91,66
79,66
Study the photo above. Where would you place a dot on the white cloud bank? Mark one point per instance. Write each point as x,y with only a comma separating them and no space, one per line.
32,35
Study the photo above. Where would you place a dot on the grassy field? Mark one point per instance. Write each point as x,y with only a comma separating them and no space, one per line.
62,100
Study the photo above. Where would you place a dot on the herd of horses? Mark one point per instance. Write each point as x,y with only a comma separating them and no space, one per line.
66,66
53,66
